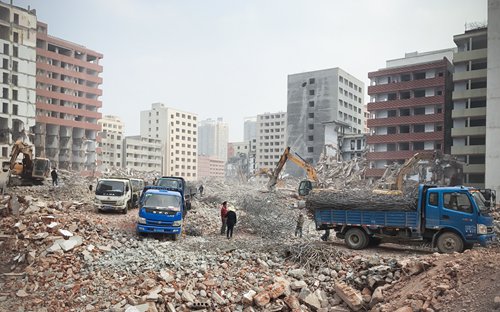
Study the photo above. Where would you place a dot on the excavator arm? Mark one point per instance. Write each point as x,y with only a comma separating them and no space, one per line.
296,159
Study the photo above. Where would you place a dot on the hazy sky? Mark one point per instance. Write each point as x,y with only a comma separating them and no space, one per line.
231,58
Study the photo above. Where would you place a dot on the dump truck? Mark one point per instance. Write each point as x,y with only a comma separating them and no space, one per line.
449,218
114,193
161,210
178,183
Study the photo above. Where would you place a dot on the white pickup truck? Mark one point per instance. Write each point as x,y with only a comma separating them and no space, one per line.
113,194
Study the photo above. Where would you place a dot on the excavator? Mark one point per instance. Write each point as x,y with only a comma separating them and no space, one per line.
312,176
30,170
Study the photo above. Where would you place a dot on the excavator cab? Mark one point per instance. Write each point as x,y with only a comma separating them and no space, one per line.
305,187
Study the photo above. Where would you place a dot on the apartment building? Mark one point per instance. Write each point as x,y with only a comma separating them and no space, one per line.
249,128
211,168
110,140
410,105
67,102
271,139
213,136
178,132
492,178
142,154
18,72
316,98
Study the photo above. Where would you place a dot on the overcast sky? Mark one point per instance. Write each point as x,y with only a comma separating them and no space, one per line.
231,58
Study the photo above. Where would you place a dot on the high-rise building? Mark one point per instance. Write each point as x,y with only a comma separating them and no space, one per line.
178,132
210,168
110,140
18,58
67,102
410,105
271,139
493,98
213,136
316,98
470,103
142,154
249,129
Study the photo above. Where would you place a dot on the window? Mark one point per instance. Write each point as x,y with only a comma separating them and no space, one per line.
457,201
311,115
419,111
14,80
310,149
311,103
419,76
6,48
14,109
477,123
418,146
403,95
433,199
5,64
14,95
419,128
341,79
404,112
5,108
405,77
15,51
310,126
404,129
16,18
419,93
311,92
310,138
311,80
391,96
5,78
16,37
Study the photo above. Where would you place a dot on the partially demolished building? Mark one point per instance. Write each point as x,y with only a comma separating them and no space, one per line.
67,102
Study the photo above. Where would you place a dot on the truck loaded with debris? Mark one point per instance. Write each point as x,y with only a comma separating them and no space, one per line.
113,194
161,210
179,183
449,218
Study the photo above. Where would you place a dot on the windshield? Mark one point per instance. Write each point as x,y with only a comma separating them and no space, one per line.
170,183
163,201
480,201
115,188
136,184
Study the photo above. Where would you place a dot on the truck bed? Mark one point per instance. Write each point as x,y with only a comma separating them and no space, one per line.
331,217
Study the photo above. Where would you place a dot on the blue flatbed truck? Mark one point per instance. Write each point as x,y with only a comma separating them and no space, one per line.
161,210
450,218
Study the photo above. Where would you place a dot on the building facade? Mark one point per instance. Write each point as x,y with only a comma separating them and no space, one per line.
271,139
211,168
213,136
469,103
67,102
410,104
110,140
250,129
142,154
18,72
178,132
492,178
316,98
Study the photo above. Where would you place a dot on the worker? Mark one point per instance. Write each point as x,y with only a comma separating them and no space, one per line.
53,174
90,188
223,216
200,189
300,224
325,236
231,221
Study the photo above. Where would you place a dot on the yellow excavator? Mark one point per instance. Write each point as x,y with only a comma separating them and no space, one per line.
312,176
29,169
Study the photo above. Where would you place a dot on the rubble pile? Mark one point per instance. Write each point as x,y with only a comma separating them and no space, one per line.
342,174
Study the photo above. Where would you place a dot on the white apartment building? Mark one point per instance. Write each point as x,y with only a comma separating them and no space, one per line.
18,75
111,137
213,136
142,154
271,139
250,128
178,132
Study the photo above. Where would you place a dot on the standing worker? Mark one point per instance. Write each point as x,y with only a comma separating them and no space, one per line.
223,216
231,221
300,224
200,189
53,174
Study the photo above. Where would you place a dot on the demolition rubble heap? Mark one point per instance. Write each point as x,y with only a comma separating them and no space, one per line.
59,254
342,174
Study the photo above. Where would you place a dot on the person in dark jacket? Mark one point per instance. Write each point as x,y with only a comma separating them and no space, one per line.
53,174
200,189
231,221
223,217
300,225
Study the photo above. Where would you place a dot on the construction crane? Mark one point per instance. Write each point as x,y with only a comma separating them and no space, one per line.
29,169
296,159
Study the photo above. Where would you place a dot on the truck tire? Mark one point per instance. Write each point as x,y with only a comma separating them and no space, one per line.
125,210
356,239
449,242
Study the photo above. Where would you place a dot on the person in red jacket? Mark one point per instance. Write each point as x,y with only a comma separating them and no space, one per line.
223,216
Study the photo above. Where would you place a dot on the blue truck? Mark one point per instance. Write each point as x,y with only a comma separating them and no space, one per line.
180,183
449,218
162,210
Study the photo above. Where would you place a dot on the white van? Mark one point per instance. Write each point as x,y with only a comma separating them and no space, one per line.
113,194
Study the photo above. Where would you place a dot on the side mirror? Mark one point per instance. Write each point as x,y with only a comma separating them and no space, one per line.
127,188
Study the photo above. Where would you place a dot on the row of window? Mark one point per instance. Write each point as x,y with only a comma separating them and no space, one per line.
272,116
111,126
350,84
407,77
277,143
350,106
349,117
272,124
5,108
349,95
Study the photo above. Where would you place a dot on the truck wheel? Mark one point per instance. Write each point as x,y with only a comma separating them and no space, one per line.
356,239
449,242
124,211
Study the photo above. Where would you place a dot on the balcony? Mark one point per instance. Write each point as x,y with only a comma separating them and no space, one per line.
392,155
479,168
472,74
469,94
406,103
470,55
470,112
407,85
468,131
405,120
468,150
405,137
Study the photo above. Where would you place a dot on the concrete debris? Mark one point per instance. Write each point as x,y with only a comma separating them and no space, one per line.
62,255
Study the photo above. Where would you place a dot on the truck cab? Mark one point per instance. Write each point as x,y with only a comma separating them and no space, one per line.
176,183
113,194
161,210
137,187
